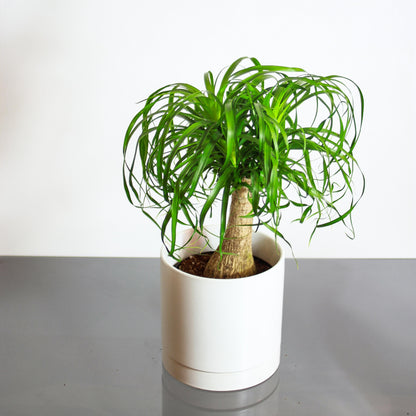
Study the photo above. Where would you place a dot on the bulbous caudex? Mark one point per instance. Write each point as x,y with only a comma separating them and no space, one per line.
236,258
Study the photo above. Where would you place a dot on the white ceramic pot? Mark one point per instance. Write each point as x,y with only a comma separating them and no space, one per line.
222,334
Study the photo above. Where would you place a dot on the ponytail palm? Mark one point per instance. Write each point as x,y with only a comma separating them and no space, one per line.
258,139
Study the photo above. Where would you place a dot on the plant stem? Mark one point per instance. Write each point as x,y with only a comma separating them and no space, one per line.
237,256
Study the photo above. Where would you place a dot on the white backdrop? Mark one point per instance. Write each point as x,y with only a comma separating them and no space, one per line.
71,73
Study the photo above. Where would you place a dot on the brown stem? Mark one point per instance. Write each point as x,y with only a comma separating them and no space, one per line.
237,259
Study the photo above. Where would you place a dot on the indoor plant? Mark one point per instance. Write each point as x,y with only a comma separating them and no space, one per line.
258,139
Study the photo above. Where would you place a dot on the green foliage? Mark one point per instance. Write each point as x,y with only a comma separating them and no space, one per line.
291,133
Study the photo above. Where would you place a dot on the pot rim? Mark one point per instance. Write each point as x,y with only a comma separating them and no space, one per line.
170,262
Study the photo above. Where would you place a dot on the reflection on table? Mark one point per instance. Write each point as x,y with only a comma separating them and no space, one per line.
179,399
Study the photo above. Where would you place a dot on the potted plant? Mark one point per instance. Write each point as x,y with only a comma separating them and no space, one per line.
258,140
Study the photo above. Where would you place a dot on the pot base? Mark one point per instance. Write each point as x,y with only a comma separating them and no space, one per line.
229,381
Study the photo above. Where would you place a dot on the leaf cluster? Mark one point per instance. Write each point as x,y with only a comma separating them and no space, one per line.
290,133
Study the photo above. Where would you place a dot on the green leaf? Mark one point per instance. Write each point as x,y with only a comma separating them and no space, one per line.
231,134
293,133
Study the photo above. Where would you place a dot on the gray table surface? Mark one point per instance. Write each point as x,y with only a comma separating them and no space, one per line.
81,336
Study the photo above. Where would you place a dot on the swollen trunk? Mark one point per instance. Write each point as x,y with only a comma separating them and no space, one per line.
237,258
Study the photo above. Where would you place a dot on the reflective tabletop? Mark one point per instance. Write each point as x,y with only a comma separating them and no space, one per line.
81,336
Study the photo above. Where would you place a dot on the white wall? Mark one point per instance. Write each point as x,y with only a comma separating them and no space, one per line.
72,71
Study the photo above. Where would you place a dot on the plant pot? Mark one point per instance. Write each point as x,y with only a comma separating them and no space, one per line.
222,334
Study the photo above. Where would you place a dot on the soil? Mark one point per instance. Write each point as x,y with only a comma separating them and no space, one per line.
196,263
